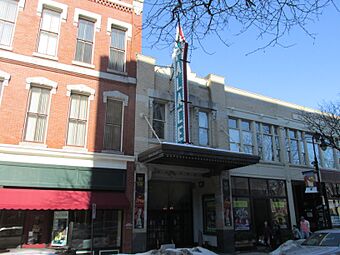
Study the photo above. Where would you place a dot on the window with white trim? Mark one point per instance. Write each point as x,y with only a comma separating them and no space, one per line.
37,113
1,86
117,49
234,135
77,122
295,147
8,15
4,79
240,135
158,119
328,158
85,40
268,143
203,128
113,124
49,32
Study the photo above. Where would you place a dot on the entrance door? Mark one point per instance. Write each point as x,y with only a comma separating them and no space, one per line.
169,214
261,214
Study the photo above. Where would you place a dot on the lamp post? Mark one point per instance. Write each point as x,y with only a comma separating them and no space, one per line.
326,216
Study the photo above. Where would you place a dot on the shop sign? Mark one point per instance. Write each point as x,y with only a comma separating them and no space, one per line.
181,89
60,228
139,201
309,178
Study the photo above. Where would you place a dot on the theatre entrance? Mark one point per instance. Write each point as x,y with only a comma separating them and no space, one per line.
169,216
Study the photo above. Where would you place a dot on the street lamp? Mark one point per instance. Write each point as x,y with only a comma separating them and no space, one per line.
323,145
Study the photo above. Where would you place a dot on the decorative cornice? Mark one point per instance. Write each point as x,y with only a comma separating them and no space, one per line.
125,7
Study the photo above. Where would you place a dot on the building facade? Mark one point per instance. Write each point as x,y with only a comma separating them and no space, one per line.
244,166
67,108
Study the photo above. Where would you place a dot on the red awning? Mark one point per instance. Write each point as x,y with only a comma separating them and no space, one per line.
34,199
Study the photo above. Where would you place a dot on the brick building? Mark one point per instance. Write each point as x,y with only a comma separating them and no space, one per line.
67,108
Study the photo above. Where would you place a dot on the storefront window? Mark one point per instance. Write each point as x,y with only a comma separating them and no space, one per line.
333,194
209,214
11,227
258,187
242,216
277,188
240,186
106,231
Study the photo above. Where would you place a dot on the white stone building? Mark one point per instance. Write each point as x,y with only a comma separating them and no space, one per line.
213,192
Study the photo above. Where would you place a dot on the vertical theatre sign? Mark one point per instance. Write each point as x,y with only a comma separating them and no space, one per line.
139,201
181,88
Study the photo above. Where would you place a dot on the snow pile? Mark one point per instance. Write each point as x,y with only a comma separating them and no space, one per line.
177,251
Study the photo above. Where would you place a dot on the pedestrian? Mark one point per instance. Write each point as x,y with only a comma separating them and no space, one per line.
267,234
296,233
277,240
304,228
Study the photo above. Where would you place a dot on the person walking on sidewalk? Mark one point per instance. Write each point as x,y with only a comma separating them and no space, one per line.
304,227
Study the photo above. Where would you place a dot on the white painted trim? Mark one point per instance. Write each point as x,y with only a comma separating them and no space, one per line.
6,47
119,24
43,82
53,5
31,144
74,148
40,55
21,4
81,88
78,63
116,72
65,67
116,95
266,99
138,7
85,90
4,77
36,155
91,15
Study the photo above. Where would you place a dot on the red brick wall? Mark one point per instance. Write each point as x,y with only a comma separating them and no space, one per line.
13,106
14,102
27,27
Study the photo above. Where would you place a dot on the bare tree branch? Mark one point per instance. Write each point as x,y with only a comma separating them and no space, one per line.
326,122
272,19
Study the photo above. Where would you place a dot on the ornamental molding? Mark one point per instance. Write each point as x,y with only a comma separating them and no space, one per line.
119,5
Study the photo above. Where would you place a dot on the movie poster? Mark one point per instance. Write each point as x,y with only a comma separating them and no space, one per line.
226,203
139,201
241,214
279,211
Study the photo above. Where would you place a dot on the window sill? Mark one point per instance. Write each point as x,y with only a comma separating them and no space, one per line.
75,149
78,63
32,144
113,152
116,72
4,47
40,55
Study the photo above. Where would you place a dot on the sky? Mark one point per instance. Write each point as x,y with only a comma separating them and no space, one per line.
307,73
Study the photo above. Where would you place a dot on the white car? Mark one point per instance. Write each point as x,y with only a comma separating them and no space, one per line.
322,242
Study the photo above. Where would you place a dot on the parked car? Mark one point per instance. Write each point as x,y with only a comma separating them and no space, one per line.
322,242
10,237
